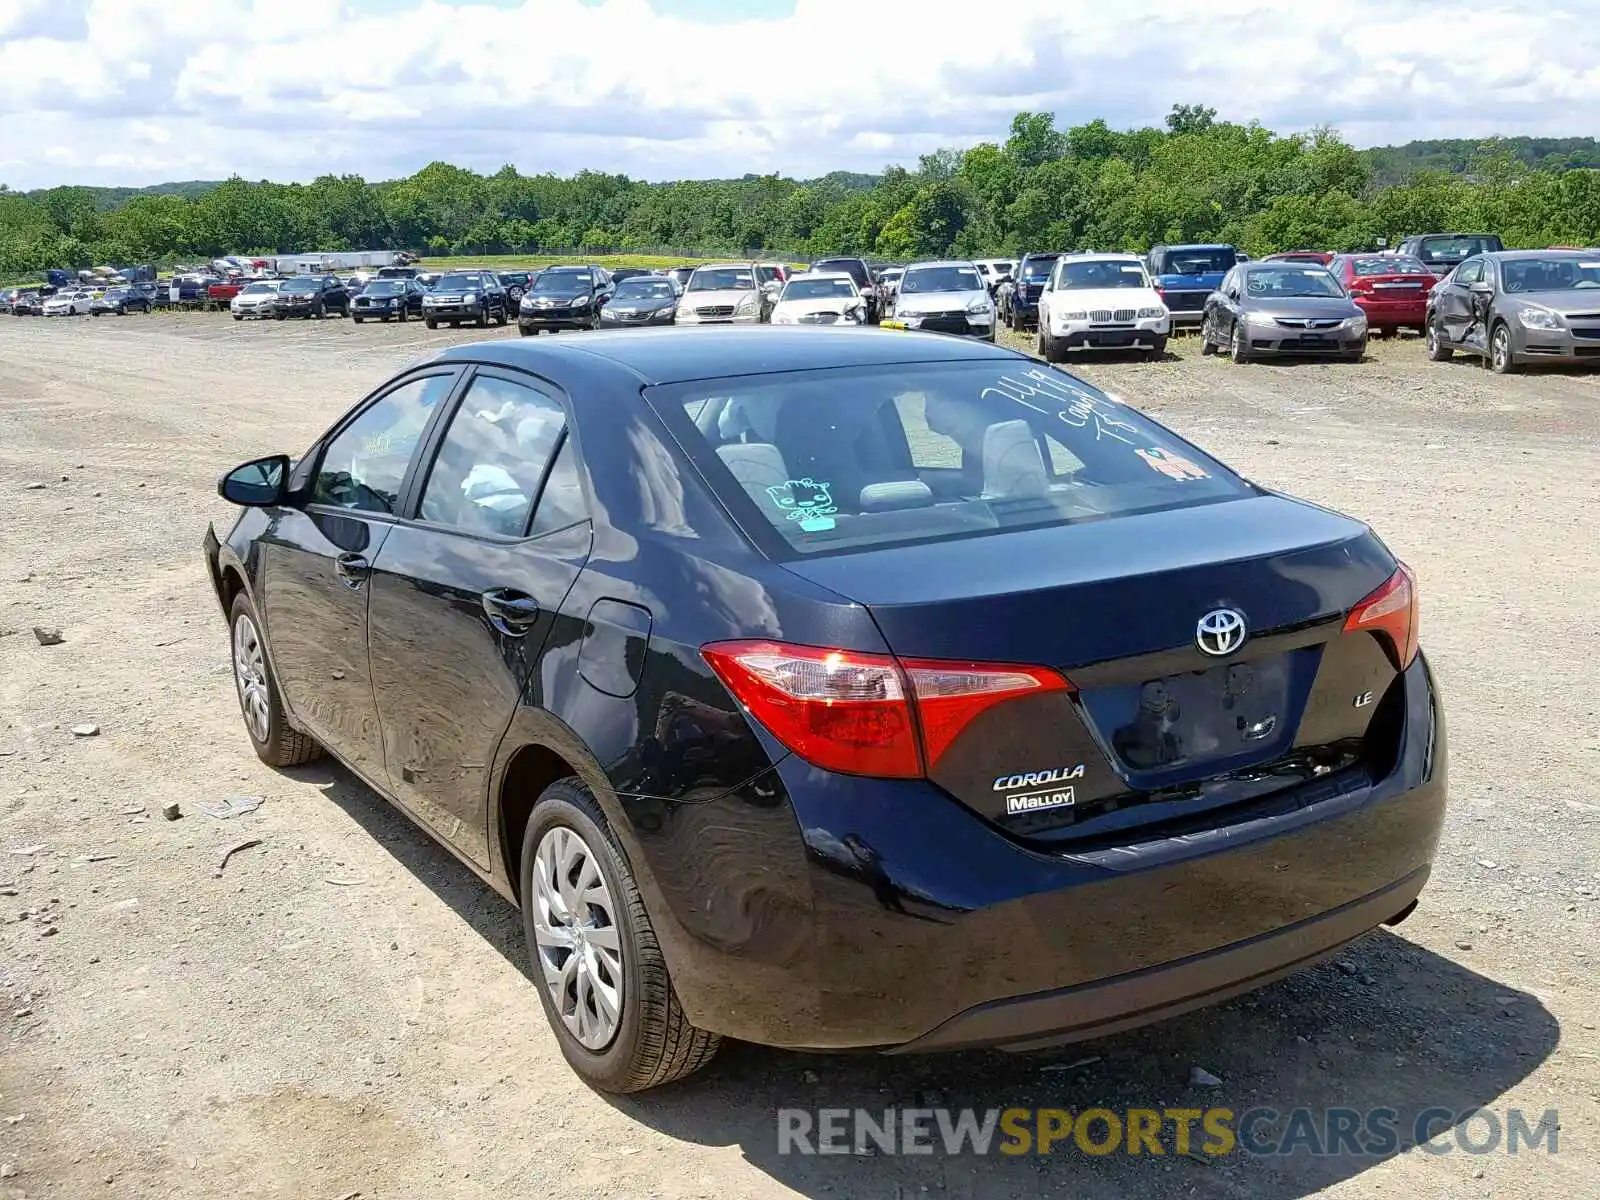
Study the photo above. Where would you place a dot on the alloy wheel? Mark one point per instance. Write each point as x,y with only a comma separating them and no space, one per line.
579,943
250,674
1500,349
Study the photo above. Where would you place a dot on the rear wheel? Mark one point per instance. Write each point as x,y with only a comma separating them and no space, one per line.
276,742
598,968
1437,350
1502,358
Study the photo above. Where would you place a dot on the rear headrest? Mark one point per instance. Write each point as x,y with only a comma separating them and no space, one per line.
895,495
757,466
749,418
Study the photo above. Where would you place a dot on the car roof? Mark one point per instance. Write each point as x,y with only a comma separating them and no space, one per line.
1501,255
1197,246
715,353
844,275
943,262
1105,256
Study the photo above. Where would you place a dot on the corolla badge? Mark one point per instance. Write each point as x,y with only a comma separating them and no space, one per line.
1221,631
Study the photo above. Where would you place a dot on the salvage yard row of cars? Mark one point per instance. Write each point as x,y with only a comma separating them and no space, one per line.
1464,292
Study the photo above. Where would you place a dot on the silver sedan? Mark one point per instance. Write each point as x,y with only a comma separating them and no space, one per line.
1272,308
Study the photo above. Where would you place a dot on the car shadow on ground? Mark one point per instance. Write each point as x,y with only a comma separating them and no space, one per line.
1387,1025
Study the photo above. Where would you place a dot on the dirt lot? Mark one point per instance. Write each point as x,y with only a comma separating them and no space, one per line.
345,1009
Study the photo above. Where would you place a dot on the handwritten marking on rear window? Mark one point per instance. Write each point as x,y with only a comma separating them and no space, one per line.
1084,409
1174,466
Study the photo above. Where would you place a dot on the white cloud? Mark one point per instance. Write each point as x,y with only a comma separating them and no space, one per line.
289,89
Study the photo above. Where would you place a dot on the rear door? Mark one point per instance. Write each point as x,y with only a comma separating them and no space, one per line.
464,593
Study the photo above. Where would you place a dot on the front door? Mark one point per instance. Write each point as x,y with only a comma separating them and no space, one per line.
1458,301
317,562
464,595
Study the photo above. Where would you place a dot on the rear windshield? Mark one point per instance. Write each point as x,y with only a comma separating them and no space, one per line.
1208,261
1388,264
853,458
850,266
1037,269
1452,250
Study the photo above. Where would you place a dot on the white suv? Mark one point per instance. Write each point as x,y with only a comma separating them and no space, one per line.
1101,302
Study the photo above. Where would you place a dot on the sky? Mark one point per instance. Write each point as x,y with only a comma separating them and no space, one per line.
134,92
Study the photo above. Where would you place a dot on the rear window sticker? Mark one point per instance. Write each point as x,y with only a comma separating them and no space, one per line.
806,501
1174,466
1084,409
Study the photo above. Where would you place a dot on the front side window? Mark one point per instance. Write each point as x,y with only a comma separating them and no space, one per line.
365,463
1470,271
492,458
847,459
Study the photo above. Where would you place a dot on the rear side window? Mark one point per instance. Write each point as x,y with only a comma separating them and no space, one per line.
1437,250
838,460
493,458
1204,261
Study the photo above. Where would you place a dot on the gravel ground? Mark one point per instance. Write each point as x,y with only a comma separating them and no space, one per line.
345,1009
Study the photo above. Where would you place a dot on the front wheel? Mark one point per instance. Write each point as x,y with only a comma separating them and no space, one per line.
1238,348
597,965
1049,347
1437,350
1158,349
430,322
276,742
358,320
501,318
1502,359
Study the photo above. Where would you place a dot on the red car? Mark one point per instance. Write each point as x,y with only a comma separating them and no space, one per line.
219,294
1392,289
1319,258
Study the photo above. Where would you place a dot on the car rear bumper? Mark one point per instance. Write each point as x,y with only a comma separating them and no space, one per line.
1388,314
816,911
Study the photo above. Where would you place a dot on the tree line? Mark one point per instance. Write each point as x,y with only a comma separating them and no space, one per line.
1088,186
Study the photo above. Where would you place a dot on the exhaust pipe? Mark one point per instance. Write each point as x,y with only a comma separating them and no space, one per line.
1402,914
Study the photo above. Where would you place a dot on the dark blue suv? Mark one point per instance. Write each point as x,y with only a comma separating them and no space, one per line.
1019,301
1186,275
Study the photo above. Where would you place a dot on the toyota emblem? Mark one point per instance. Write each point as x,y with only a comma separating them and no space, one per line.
1221,631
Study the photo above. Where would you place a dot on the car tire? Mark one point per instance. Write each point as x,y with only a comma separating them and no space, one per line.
525,332
1158,350
358,320
650,1041
404,316
501,318
430,322
1437,350
1049,347
1238,350
238,316
321,310
1502,358
276,742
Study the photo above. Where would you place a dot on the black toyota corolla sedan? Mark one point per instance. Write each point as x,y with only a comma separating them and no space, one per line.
841,688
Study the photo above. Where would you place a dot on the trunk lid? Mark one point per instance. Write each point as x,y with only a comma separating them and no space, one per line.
1157,730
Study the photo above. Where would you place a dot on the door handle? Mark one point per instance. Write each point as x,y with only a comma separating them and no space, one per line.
511,612
353,569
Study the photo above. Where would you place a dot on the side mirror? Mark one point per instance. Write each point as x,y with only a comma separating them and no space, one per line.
258,484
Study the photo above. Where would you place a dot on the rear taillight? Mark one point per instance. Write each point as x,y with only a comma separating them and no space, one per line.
859,714
1391,612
